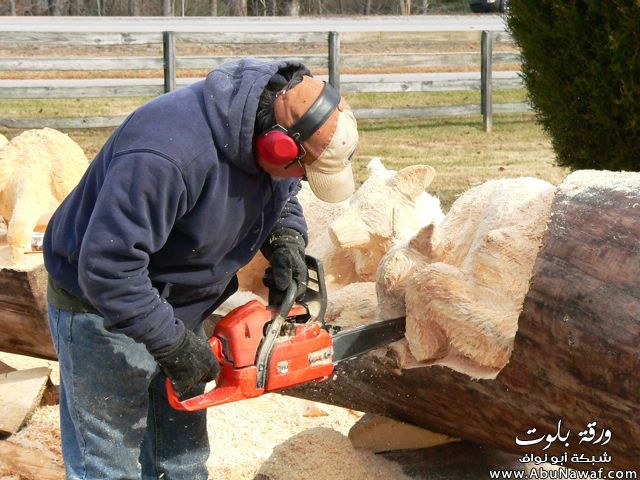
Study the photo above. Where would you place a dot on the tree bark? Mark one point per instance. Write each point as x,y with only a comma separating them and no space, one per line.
425,7
293,8
24,328
214,8
59,7
134,8
238,8
367,7
167,8
575,358
12,6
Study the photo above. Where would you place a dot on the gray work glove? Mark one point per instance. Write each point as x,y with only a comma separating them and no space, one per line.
285,251
188,362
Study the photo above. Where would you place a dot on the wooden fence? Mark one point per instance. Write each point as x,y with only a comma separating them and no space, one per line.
333,61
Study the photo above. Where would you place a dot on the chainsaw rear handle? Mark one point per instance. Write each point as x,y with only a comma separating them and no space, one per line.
221,394
237,384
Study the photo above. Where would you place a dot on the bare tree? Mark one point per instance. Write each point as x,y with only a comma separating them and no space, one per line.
405,7
12,5
367,7
167,8
134,8
425,7
274,7
238,7
293,9
214,8
60,7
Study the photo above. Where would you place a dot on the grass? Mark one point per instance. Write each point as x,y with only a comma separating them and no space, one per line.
457,147
78,107
460,151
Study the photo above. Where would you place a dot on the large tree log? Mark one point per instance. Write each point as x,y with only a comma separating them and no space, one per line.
576,356
24,328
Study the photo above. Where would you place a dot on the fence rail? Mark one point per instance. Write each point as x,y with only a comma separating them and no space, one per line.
333,61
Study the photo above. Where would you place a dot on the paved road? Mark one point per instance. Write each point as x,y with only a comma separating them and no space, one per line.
422,23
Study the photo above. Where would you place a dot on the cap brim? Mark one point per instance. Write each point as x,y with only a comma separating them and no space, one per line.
331,188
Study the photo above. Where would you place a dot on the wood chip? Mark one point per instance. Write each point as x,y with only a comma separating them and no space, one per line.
20,393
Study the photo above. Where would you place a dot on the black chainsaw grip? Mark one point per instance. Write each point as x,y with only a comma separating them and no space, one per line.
288,300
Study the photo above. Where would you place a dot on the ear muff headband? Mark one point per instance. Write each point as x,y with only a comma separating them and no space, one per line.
281,146
315,117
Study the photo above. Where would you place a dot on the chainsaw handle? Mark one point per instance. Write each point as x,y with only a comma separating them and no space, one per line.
223,393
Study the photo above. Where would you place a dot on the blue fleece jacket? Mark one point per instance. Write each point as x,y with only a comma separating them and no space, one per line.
172,206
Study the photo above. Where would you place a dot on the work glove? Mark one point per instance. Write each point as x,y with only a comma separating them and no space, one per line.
285,251
188,362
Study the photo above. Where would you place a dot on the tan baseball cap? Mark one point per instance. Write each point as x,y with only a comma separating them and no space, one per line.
327,161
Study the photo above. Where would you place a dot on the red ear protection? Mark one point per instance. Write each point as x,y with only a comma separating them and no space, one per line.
277,148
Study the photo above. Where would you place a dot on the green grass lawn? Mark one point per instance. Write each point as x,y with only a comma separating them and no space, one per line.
457,147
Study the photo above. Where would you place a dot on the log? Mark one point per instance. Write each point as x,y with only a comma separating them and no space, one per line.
575,358
30,463
24,328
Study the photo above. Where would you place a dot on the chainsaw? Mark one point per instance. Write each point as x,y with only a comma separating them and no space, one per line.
264,349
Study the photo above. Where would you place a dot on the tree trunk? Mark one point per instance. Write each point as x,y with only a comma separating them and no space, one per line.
59,7
214,8
238,8
575,358
12,6
76,10
425,7
24,328
274,8
167,8
293,9
134,8
367,7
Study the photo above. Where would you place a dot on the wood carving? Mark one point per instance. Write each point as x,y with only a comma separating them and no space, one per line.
462,283
351,237
38,169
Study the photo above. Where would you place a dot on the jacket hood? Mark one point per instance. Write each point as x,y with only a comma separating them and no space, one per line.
231,95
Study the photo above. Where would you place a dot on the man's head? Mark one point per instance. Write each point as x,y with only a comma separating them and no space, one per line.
313,133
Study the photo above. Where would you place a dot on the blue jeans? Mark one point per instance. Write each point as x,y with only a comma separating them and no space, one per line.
115,420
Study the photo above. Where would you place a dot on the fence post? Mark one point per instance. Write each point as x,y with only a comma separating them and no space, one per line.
486,75
334,60
169,54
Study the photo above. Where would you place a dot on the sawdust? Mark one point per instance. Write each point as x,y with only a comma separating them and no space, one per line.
326,454
255,436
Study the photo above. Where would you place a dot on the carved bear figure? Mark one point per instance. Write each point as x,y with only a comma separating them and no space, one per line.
462,283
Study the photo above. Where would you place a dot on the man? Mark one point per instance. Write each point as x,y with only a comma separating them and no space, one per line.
148,244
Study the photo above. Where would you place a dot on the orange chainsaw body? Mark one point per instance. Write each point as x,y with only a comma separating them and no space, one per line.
304,355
